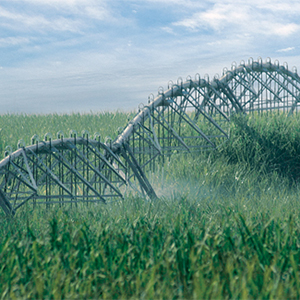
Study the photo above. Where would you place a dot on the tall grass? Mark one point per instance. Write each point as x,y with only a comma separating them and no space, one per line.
171,249
268,143
14,127
226,225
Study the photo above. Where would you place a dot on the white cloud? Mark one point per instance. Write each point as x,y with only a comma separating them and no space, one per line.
235,17
96,13
168,30
285,29
286,49
186,3
217,18
288,7
58,15
13,41
21,21
61,3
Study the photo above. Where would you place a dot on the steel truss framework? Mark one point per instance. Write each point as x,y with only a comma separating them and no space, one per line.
191,115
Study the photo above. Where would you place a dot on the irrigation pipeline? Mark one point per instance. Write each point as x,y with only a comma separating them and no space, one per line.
191,115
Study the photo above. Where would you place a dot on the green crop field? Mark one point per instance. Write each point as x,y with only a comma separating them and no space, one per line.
226,224
21,126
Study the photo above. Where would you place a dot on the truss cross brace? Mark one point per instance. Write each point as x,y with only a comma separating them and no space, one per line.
138,172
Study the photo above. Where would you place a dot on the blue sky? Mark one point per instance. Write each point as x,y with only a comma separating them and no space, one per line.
85,55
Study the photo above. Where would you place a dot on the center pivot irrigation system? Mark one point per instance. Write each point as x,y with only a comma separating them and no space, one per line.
190,115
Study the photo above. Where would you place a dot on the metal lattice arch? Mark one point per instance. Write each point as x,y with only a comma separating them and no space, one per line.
191,115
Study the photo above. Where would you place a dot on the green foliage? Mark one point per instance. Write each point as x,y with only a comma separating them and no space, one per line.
226,226
14,127
195,252
268,143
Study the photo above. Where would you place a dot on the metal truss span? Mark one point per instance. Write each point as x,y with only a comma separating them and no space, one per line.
191,115
66,170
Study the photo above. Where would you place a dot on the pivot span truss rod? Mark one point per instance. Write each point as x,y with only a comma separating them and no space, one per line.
67,170
191,115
